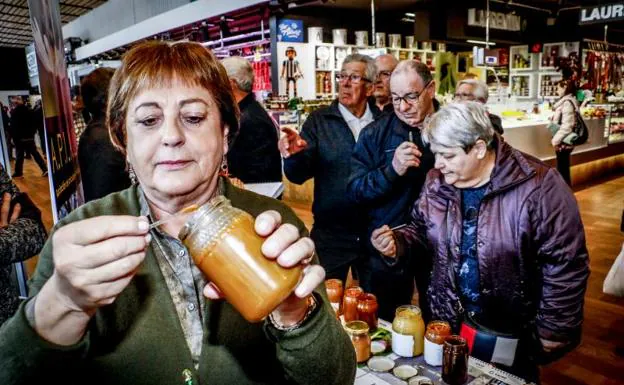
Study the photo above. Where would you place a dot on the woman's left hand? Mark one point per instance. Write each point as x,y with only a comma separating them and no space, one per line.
284,244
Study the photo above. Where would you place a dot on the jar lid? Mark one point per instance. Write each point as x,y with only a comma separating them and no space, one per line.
192,220
408,311
356,327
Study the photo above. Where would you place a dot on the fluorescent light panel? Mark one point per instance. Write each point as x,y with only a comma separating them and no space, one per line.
480,42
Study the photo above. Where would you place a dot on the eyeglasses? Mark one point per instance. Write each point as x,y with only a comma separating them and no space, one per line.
384,74
464,96
354,78
411,99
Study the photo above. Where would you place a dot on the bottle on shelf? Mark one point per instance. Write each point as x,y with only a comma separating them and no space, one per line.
326,84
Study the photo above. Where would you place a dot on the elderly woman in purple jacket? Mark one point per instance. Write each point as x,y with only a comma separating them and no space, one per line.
504,233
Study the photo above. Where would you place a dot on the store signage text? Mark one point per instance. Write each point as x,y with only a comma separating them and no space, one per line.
602,13
290,31
498,20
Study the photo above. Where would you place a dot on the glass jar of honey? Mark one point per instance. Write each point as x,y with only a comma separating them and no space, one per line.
435,335
358,331
350,303
335,293
408,331
225,246
367,310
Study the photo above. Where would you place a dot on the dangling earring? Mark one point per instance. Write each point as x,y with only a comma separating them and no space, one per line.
132,175
224,171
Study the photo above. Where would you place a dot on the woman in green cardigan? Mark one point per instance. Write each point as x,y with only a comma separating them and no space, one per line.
113,302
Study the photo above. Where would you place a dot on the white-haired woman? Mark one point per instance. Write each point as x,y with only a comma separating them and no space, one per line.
506,240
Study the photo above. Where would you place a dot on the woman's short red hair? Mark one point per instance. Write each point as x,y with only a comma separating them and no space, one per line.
157,64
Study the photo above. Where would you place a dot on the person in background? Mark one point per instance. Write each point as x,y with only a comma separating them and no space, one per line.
563,122
476,90
21,236
507,243
6,122
103,168
79,115
388,169
39,123
23,132
385,65
254,156
114,302
322,152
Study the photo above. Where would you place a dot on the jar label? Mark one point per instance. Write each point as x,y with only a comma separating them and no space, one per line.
433,353
403,344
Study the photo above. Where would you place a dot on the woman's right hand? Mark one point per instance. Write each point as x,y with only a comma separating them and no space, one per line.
383,241
94,261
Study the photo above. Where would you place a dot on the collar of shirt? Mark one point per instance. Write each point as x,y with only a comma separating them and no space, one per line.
356,124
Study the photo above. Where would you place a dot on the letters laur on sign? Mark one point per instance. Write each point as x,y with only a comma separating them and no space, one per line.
601,14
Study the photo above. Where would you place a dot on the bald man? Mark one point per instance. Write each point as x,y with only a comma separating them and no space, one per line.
385,65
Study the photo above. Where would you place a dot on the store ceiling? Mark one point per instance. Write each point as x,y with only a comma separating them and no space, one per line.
15,21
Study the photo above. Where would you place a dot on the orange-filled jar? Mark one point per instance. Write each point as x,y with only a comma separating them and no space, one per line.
335,293
435,335
358,332
350,303
367,310
225,246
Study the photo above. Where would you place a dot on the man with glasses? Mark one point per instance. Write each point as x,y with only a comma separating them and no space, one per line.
385,65
322,152
388,169
477,90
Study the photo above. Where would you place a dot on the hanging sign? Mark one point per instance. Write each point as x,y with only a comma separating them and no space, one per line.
602,13
62,150
290,31
498,20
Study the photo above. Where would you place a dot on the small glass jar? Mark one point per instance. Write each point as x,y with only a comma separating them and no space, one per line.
367,310
350,302
408,331
358,331
435,335
225,246
335,293
455,360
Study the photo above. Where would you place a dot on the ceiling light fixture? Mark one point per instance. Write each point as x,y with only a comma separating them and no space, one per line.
410,14
480,42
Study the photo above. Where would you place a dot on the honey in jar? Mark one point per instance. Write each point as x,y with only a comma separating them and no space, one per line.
225,246
408,331
334,294
367,310
435,335
350,303
358,331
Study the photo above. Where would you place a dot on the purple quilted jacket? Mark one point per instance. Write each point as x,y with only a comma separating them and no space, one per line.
533,262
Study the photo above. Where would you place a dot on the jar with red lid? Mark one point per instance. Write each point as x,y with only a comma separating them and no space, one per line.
367,310
335,293
350,303
435,335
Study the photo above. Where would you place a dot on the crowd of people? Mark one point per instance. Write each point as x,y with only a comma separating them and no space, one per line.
408,195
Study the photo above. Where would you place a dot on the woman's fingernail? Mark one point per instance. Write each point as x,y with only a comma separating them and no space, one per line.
148,239
143,225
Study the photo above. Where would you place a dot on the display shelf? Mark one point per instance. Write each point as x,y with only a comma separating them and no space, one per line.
520,59
616,124
552,51
521,86
546,86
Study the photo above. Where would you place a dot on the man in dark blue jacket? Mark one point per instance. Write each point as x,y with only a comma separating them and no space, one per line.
323,152
388,169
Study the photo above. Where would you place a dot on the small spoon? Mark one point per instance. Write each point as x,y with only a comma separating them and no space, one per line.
185,210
